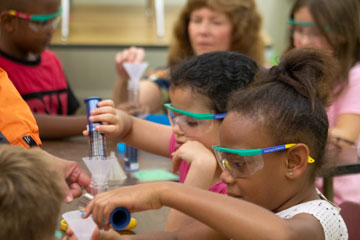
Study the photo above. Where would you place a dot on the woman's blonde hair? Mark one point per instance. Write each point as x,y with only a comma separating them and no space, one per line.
343,18
244,17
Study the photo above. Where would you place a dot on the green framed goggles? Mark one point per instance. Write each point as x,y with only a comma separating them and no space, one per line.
192,124
36,18
306,24
246,162
197,116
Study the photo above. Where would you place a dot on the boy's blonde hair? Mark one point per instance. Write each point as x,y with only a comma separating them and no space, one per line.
30,194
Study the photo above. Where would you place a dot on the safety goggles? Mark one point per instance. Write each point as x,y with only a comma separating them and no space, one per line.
306,29
243,163
38,23
191,124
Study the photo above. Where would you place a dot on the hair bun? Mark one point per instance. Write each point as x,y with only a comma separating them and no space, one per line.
309,72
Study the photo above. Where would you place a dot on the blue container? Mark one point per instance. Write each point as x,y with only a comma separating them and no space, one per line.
158,118
96,139
120,218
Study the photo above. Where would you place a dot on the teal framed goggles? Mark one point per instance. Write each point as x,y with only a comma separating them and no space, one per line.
197,116
243,163
192,124
36,18
306,24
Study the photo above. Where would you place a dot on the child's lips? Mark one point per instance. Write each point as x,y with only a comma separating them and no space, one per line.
178,144
234,195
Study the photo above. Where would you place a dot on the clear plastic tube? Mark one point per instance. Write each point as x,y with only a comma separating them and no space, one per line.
96,140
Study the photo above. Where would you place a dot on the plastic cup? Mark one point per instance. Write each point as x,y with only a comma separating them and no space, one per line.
82,227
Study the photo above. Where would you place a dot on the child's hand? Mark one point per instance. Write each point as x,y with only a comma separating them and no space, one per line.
133,55
69,234
135,198
115,123
109,235
193,152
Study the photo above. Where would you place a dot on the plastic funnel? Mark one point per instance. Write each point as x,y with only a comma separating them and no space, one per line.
82,227
135,70
99,169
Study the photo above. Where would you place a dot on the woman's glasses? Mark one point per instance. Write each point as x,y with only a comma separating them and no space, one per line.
39,23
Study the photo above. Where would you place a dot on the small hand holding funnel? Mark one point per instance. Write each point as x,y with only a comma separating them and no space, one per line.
135,71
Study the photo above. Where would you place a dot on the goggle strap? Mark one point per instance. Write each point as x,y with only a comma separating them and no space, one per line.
306,24
38,18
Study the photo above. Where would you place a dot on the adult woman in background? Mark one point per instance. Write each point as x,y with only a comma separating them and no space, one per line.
202,26
334,25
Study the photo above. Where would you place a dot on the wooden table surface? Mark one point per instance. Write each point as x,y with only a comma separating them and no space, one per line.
76,148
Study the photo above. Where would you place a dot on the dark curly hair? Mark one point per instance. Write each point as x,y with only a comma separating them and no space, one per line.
214,75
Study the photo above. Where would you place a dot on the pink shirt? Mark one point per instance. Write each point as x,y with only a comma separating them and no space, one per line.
346,187
219,187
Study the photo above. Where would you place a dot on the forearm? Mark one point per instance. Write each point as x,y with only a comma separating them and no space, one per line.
120,93
55,126
196,231
199,175
347,127
177,220
233,218
150,137
150,96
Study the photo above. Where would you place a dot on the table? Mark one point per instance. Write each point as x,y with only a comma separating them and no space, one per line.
76,148
348,162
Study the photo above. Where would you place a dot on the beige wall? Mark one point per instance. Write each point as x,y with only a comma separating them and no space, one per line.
91,71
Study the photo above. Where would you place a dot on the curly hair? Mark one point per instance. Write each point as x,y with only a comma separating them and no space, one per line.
244,17
214,75
343,17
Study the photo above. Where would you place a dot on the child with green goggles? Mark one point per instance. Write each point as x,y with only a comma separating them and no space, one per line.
199,90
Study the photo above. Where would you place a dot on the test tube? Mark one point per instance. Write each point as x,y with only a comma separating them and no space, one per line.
131,159
120,218
96,139
133,93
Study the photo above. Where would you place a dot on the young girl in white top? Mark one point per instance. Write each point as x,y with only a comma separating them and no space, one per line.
272,143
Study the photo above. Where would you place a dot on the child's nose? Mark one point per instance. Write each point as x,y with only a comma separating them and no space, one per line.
176,129
226,177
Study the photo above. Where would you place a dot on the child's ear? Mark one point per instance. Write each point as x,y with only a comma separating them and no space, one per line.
7,21
297,158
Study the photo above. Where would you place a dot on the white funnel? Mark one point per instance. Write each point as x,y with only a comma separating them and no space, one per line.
135,70
99,169
82,227
116,173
